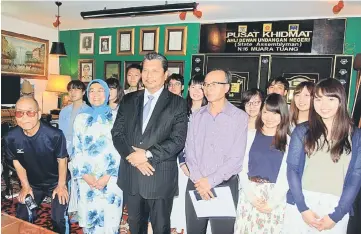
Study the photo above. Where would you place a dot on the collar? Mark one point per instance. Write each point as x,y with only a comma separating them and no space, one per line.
227,109
155,95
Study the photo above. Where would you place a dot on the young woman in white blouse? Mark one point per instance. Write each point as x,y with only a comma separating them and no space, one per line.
263,180
323,165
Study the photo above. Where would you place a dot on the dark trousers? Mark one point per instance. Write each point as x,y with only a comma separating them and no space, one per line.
59,212
218,226
354,223
139,210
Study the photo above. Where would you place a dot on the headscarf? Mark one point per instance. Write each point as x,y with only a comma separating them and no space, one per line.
103,111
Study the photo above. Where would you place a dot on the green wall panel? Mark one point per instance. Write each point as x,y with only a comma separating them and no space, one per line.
69,64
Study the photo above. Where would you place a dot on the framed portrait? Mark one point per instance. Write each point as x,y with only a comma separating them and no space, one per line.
86,68
176,67
105,45
24,55
125,41
149,40
126,65
86,45
65,100
175,40
111,69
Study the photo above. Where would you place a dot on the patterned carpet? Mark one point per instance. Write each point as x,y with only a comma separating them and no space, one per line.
9,206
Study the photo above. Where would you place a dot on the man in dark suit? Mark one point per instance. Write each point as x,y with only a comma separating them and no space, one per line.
149,131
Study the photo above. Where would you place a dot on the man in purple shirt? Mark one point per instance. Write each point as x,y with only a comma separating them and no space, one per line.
215,147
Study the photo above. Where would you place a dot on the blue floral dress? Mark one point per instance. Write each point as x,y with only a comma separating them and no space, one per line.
99,211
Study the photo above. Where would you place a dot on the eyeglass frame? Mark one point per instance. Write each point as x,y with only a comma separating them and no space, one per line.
213,84
253,103
32,115
176,84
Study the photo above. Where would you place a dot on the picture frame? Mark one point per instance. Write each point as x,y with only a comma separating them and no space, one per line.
31,62
149,40
176,67
86,68
127,64
125,41
112,69
86,43
105,45
65,100
175,40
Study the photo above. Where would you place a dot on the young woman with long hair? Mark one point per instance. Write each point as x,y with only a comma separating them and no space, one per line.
263,179
323,165
195,100
301,102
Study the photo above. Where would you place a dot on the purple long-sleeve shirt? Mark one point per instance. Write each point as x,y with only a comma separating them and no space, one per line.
216,145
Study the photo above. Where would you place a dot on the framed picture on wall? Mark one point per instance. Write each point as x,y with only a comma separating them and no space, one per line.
105,45
125,41
149,40
176,67
112,69
86,68
126,65
24,55
86,43
175,40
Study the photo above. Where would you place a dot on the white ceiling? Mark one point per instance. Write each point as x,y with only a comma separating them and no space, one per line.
43,12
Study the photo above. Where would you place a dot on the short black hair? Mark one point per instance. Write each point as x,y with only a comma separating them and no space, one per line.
114,83
247,95
133,66
279,79
176,77
157,56
75,84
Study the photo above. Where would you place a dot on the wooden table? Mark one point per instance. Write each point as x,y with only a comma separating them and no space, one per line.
12,225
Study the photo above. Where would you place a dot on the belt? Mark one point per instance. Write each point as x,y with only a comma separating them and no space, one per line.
258,179
225,182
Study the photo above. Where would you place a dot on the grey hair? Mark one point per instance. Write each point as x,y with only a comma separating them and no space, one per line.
157,56
227,74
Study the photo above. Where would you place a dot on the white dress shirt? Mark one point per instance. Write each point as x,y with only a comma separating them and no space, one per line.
154,102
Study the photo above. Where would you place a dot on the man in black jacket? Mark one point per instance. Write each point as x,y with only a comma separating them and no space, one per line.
149,131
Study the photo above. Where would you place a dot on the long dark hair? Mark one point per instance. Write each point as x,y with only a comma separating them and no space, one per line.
342,123
114,84
293,108
277,104
196,79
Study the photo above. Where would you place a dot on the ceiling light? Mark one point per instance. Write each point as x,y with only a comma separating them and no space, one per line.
139,11
58,48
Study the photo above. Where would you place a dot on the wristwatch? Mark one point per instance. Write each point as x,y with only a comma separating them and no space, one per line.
148,154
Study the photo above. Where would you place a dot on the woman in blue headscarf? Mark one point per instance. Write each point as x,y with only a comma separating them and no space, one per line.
95,165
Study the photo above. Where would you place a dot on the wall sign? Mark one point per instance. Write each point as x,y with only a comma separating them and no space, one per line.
273,37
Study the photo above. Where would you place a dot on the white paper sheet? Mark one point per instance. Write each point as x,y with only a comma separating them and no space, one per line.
221,206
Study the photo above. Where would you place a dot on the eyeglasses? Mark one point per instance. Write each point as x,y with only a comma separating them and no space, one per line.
256,103
213,84
174,84
19,114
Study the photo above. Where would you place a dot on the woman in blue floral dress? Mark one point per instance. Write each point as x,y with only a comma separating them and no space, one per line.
95,165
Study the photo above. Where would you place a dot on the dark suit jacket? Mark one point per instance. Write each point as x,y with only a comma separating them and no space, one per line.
164,137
